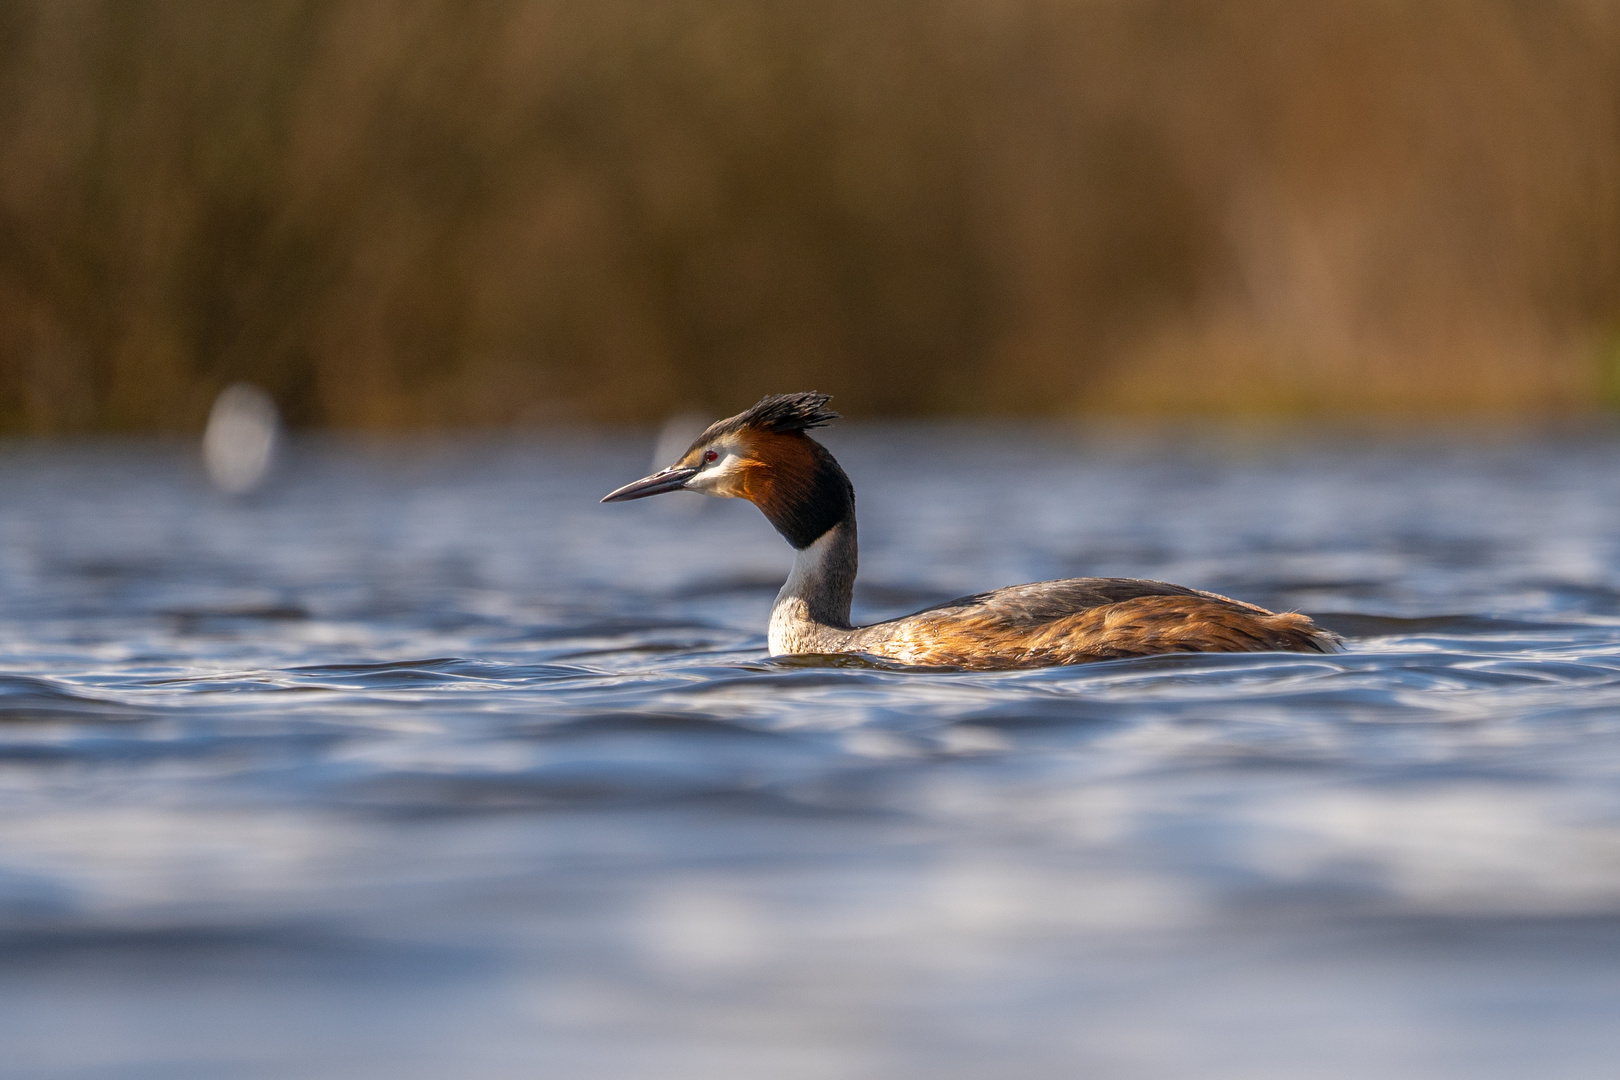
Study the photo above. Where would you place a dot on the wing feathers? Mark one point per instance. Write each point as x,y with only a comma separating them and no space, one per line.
1067,622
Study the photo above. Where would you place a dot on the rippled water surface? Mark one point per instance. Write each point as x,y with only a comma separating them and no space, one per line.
422,764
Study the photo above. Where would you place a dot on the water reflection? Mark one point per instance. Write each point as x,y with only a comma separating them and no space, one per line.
421,764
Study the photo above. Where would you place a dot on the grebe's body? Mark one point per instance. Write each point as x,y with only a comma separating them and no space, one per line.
764,455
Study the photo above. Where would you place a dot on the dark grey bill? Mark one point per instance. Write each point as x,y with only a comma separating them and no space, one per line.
656,484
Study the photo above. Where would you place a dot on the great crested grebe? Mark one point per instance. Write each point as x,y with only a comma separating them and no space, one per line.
763,455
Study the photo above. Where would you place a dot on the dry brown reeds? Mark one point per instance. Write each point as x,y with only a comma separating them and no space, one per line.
436,213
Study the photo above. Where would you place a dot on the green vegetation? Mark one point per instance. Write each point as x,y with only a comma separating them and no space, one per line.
439,213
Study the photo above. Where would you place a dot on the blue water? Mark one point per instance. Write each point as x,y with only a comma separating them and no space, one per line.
419,763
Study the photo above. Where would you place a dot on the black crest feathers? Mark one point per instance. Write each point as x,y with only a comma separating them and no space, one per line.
779,413
783,413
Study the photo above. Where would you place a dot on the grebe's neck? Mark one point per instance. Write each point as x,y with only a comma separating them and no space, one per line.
811,613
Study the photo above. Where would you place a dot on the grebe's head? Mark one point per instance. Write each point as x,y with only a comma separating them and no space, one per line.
763,455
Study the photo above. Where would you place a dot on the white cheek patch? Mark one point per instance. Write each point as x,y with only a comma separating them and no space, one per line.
720,478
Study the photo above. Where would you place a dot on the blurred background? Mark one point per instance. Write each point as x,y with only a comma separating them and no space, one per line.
435,214
355,740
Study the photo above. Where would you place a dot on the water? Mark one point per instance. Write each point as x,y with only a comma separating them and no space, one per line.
419,763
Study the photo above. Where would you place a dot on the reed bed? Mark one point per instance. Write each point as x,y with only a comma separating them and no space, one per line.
432,214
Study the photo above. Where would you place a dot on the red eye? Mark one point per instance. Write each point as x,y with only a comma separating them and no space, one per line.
711,455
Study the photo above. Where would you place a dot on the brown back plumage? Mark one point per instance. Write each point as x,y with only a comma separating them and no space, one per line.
1084,619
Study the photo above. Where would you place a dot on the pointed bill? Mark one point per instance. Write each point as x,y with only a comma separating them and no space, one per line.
672,479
